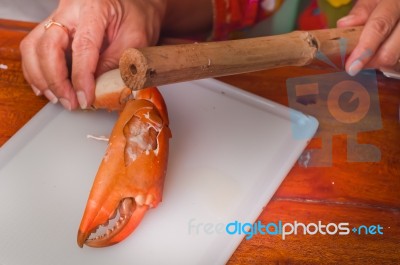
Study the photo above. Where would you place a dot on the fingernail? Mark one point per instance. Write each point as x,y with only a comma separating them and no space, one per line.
355,68
345,19
66,104
50,96
82,99
36,90
366,55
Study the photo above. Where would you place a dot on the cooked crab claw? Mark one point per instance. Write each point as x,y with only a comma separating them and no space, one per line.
131,175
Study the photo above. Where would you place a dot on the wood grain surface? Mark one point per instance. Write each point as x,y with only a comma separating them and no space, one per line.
359,193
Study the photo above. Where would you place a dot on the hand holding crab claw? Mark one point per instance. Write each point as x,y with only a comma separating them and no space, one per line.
82,39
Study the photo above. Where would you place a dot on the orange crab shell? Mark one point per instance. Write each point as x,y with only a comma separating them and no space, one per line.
118,182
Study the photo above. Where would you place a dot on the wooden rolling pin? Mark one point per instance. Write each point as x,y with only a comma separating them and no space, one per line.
160,65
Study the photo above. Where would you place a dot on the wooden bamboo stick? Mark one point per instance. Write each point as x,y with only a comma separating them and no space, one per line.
160,65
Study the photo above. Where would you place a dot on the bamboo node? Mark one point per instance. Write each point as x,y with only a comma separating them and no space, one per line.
312,41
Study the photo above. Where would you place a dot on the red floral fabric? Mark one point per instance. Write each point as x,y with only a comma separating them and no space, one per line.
234,15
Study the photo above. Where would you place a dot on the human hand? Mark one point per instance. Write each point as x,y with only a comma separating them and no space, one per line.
96,34
379,42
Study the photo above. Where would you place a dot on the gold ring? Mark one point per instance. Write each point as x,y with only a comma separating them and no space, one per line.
51,22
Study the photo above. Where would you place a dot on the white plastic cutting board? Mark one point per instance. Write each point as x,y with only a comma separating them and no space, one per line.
229,152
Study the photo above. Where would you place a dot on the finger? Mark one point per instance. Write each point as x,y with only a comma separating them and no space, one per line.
378,27
359,13
35,89
388,55
52,51
30,61
85,52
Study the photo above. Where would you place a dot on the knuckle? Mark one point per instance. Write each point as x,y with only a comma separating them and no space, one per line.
141,39
387,58
78,80
83,43
58,88
44,46
54,86
381,26
25,44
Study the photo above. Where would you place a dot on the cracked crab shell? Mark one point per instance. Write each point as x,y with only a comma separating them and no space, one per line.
121,175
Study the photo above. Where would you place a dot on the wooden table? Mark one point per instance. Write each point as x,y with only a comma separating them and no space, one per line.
362,193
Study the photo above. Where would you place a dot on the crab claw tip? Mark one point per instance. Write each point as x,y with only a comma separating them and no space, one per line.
129,216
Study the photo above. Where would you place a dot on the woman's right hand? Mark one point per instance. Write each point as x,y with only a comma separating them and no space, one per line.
98,32
378,46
